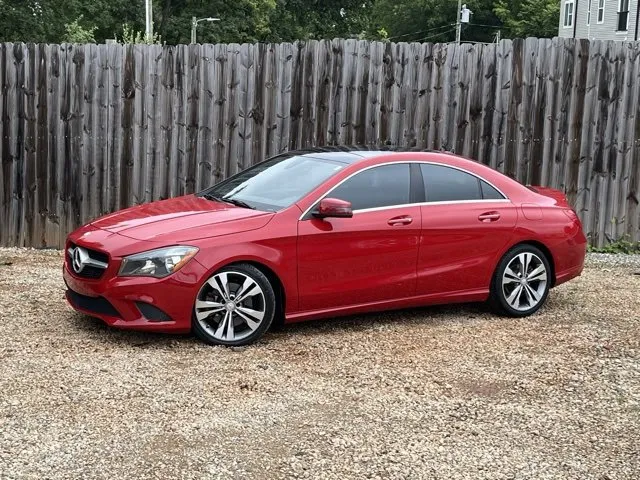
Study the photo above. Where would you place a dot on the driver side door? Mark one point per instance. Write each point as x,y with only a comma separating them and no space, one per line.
369,258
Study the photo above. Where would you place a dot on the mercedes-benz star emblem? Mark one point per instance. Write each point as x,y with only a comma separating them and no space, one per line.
80,257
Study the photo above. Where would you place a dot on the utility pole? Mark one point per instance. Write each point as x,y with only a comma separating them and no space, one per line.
148,10
194,25
458,24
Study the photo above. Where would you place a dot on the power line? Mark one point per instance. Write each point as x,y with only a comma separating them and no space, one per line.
437,35
421,31
484,25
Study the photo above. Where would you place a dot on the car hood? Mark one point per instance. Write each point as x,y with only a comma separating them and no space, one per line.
182,219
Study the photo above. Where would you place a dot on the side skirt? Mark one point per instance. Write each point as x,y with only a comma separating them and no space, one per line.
409,302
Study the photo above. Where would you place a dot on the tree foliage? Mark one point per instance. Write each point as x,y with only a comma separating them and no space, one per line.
528,18
309,19
56,21
76,33
433,20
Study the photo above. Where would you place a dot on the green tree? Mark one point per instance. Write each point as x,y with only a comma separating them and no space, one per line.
241,20
528,18
433,20
130,35
306,19
52,21
76,33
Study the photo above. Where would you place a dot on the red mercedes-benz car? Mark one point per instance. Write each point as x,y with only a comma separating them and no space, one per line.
320,233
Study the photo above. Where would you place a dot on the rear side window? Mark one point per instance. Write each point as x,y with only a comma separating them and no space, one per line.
446,184
490,193
383,186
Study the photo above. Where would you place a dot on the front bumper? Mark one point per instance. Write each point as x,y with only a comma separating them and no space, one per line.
137,303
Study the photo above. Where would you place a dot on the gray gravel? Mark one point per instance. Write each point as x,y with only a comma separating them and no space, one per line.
446,392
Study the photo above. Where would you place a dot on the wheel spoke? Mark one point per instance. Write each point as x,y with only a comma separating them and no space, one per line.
222,325
248,282
510,276
251,323
255,290
205,308
204,314
206,304
533,294
524,258
514,298
224,280
530,299
539,273
230,328
257,314
213,283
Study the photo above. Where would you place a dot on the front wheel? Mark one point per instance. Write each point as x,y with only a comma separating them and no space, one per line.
520,285
235,306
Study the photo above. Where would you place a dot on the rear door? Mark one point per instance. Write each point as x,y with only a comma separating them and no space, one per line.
370,257
466,223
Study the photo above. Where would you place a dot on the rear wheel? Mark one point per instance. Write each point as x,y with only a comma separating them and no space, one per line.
235,306
520,285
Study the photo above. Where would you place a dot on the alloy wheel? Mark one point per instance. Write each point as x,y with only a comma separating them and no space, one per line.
230,306
524,281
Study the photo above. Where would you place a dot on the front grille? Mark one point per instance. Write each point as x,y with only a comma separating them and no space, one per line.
94,264
97,305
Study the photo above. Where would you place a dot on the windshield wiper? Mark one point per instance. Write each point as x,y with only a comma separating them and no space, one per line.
232,201
237,203
211,196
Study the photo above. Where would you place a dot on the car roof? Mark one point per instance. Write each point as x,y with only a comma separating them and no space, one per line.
353,153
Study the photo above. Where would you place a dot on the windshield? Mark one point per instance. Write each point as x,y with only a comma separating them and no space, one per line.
276,183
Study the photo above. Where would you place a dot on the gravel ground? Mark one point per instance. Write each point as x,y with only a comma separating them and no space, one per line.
447,392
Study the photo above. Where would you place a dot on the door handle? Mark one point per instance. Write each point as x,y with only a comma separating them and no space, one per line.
398,221
489,217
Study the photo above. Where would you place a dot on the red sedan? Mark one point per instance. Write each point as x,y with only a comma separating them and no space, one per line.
320,233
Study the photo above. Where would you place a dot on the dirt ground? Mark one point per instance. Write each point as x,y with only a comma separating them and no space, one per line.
446,392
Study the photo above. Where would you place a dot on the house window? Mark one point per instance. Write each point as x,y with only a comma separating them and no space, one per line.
600,11
623,15
568,14
589,13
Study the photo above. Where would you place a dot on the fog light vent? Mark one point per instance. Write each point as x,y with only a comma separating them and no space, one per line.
152,313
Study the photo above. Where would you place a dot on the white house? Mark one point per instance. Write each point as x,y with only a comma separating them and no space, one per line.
600,19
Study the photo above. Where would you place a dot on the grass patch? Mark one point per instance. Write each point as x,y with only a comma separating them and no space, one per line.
622,246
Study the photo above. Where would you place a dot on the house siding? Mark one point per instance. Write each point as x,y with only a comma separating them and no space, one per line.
598,31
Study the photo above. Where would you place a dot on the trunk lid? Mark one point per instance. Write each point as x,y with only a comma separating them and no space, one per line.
559,197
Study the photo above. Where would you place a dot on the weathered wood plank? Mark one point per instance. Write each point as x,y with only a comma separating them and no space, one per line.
206,138
30,117
192,81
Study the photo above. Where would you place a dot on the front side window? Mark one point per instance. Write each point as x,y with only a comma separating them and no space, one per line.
276,183
568,13
383,186
589,13
623,15
446,184
601,11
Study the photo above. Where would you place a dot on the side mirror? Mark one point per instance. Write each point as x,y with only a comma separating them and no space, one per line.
333,208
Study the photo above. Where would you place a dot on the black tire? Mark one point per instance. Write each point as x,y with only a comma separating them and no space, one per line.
204,328
498,297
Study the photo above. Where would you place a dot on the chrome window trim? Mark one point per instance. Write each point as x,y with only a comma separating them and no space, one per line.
426,162
427,204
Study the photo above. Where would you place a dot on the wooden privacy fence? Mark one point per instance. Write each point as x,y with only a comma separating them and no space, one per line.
89,129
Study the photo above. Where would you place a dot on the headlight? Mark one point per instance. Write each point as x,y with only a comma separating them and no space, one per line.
156,263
